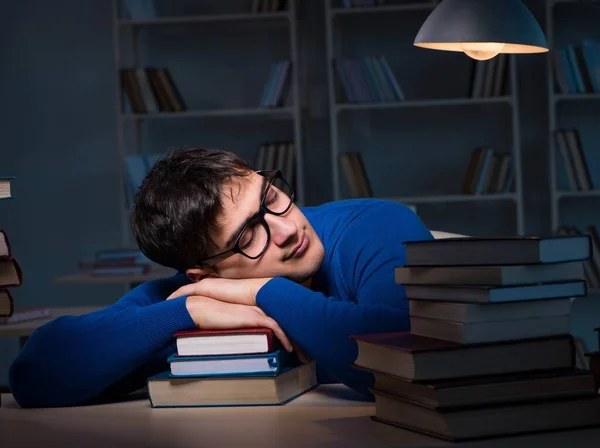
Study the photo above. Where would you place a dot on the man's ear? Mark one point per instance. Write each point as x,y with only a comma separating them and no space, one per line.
198,273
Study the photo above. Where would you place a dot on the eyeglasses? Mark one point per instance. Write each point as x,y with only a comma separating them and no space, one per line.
254,238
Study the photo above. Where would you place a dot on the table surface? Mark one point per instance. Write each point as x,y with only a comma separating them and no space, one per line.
26,328
330,415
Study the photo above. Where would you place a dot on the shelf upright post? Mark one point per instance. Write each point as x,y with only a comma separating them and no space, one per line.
516,144
333,113
296,106
552,103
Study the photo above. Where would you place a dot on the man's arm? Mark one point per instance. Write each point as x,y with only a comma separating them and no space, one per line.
322,325
73,359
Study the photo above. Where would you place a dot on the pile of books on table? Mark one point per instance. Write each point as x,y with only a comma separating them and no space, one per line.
246,367
489,352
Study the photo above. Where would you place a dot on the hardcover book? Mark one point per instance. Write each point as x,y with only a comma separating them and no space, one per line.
474,251
226,342
167,391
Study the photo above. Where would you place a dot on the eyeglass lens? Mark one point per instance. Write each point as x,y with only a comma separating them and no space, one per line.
255,237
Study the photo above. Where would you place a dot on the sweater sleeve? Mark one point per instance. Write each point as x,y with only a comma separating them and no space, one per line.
72,359
366,255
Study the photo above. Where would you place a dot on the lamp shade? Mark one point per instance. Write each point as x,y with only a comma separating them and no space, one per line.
482,28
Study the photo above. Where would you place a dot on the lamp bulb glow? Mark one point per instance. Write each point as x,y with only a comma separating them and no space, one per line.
482,51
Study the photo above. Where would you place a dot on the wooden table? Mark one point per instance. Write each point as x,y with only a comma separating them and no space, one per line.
331,416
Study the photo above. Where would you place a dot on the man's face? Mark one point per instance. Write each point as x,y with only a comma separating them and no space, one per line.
294,250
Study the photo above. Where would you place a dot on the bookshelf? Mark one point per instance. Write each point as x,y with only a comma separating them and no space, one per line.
435,99
571,109
220,57
252,38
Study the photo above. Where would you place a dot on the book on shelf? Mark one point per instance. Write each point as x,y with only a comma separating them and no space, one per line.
259,6
279,155
488,172
576,67
241,367
574,160
6,187
356,175
151,90
124,262
513,367
278,84
490,78
367,80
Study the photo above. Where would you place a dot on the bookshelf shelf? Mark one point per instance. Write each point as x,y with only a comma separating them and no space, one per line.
577,194
383,9
444,102
212,18
435,199
576,97
250,112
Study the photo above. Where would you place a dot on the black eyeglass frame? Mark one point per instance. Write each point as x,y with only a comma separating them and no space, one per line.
258,216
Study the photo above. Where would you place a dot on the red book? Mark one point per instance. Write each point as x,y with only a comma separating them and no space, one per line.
226,342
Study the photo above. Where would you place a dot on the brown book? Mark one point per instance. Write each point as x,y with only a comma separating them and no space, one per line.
5,251
419,358
496,389
7,306
133,90
489,421
159,91
11,274
473,170
166,81
361,172
350,174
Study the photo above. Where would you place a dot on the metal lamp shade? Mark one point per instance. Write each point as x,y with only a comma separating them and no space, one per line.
482,28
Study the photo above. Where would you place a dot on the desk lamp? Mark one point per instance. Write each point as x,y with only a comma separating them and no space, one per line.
482,28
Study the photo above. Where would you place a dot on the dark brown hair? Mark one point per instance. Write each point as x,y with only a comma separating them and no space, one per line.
176,207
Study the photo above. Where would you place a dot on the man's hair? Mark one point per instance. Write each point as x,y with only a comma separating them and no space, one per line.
177,205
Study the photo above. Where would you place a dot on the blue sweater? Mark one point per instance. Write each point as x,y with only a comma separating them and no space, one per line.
106,354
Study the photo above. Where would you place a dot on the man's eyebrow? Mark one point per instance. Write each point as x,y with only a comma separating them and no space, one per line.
237,231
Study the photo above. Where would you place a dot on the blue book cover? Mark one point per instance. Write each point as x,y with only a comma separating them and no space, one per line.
269,364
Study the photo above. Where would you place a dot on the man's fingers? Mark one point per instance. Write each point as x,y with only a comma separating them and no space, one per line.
187,290
273,325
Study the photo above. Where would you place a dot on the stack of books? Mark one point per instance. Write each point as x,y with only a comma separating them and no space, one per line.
245,367
489,352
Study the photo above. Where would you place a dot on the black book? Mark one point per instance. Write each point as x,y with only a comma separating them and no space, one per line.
518,250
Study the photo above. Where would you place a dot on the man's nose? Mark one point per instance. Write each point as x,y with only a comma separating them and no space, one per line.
282,229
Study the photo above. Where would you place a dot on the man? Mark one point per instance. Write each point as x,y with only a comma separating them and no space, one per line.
247,256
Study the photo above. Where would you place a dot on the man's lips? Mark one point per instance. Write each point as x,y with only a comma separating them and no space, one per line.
300,244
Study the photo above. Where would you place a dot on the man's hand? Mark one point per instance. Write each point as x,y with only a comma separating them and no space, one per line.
240,291
211,314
